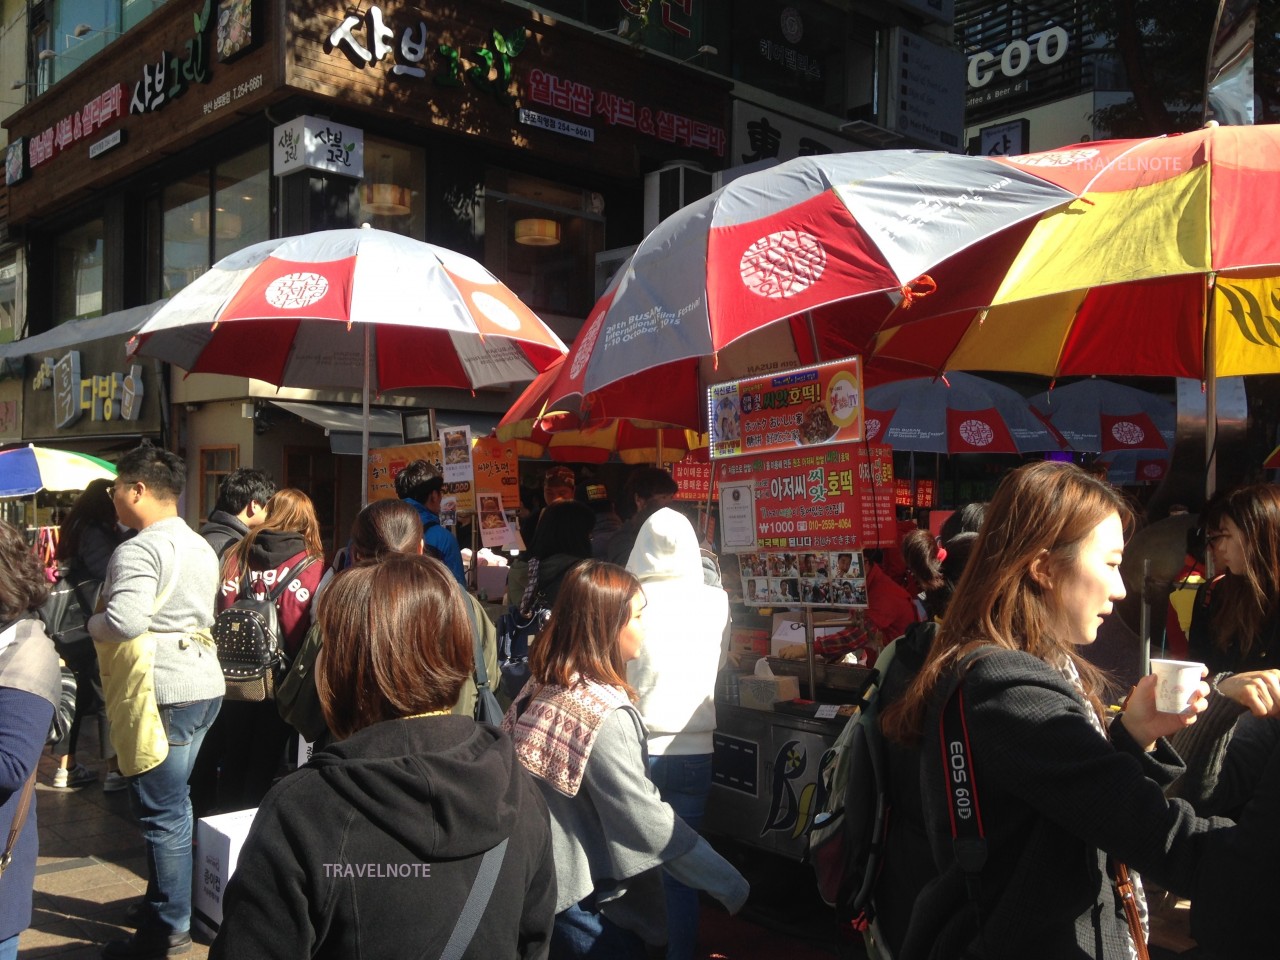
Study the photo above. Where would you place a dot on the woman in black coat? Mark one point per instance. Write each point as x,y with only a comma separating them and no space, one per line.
1061,798
371,850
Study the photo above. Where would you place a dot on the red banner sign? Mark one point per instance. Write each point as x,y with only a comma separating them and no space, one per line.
837,498
693,480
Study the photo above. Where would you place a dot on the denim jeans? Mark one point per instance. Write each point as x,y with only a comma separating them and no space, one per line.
683,782
162,803
585,934
9,948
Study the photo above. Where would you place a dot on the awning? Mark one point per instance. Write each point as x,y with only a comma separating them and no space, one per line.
344,425
75,332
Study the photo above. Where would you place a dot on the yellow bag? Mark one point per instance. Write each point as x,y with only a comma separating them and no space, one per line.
128,686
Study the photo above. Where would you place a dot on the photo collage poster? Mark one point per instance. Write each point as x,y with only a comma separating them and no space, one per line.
835,578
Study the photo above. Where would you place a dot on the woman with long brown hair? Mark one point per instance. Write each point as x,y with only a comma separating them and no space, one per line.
1061,798
250,738
377,847
577,731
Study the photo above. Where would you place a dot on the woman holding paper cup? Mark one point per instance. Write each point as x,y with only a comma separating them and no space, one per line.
1061,798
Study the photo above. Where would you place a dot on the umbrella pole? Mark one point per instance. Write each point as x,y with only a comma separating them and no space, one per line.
1210,393
364,429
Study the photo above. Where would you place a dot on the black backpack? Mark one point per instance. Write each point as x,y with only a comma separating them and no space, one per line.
247,634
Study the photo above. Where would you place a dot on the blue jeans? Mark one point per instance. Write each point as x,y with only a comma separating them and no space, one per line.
582,934
161,800
683,782
9,948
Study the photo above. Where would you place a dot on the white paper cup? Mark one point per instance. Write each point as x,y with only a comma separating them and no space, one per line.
1176,683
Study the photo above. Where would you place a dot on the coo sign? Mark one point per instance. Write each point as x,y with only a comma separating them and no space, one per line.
1051,46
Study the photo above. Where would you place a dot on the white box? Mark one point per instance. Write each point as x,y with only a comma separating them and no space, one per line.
789,629
218,842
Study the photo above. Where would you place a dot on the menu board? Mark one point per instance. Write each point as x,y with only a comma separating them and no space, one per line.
693,480
798,579
386,462
496,470
808,407
836,499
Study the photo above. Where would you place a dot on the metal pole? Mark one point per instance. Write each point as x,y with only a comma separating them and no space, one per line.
808,649
1144,617
364,429
1210,392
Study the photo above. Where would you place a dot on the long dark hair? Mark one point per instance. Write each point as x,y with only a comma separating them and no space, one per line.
581,638
1040,507
93,508
1250,599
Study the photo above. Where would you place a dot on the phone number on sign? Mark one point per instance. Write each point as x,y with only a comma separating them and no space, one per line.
235,93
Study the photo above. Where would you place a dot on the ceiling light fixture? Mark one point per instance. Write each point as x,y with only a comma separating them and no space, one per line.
537,232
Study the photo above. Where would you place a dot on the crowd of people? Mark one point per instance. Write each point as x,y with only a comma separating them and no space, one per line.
572,829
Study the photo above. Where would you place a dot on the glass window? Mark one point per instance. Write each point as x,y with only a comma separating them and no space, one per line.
241,202
215,463
392,194
541,238
186,232
78,257
10,298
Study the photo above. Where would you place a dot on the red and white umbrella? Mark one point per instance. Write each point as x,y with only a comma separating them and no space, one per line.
363,309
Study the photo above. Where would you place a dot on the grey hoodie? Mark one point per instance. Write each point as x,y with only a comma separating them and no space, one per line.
685,637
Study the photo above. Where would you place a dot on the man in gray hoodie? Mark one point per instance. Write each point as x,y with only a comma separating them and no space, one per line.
163,582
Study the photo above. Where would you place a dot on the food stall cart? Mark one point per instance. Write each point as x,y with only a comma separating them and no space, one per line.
801,496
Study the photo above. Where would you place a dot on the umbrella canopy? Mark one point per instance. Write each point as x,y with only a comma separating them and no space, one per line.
364,308
292,312
31,469
1167,265
958,414
539,431
700,298
1100,416
1135,467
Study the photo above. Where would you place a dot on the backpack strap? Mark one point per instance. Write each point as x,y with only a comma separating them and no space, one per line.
481,891
481,674
289,575
19,818
968,836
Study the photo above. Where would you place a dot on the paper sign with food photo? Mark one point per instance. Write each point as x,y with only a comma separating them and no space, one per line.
495,529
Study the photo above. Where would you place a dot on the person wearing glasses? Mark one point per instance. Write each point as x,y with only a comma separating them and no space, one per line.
152,634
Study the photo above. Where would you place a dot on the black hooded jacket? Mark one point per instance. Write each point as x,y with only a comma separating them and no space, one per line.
370,850
223,531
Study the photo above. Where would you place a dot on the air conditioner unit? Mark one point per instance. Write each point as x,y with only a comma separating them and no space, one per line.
609,262
673,186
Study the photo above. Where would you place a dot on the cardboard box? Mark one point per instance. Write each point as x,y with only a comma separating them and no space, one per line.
749,640
218,843
761,693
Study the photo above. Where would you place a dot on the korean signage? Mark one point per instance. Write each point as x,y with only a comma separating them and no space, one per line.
496,470
926,101
106,397
760,134
102,111
835,499
309,143
693,480
386,462
799,408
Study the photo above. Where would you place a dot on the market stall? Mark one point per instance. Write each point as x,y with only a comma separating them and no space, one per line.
801,496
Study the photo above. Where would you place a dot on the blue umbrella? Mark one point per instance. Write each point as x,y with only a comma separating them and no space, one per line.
1098,416
959,413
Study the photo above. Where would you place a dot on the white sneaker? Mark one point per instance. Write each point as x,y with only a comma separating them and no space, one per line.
114,781
78,776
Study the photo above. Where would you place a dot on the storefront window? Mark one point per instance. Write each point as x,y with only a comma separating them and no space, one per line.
541,238
10,298
78,257
241,202
215,464
187,226
392,194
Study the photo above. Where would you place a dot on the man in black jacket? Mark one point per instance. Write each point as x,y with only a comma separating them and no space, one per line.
241,506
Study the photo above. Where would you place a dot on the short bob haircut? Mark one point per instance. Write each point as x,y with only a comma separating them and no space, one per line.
580,641
1041,508
397,643
23,587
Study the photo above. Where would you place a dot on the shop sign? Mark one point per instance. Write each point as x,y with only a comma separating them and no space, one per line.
15,162
168,78
760,134
835,577
112,396
798,408
583,100
532,118
1005,139
693,480
386,462
1050,47
496,470
926,102
111,140
309,143
835,499
101,111
667,10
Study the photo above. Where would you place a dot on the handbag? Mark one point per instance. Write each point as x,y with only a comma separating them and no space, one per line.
487,710
515,633
297,700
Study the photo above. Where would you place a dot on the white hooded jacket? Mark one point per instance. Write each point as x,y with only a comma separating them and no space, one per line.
685,637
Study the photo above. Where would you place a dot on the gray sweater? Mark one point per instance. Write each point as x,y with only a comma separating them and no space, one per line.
613,836
140,573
